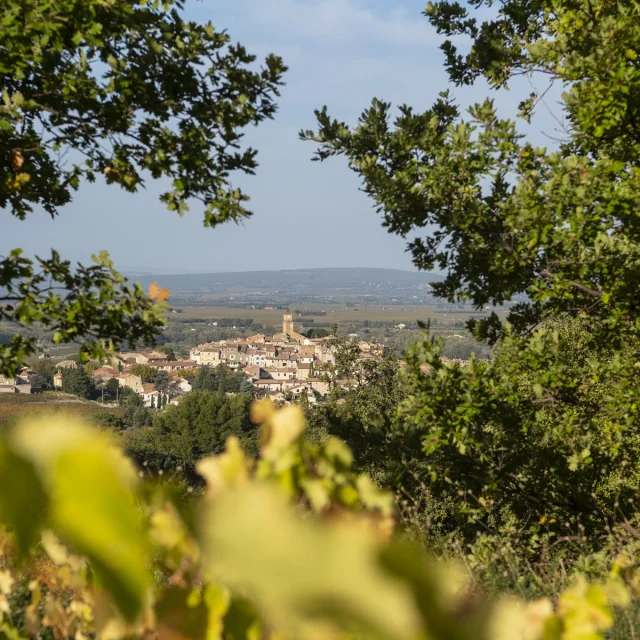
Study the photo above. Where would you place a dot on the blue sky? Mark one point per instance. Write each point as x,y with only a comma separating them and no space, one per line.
340,53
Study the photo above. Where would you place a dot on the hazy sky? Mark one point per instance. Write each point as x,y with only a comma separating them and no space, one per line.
340,53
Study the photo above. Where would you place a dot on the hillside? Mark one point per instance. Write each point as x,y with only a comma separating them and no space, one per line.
299,282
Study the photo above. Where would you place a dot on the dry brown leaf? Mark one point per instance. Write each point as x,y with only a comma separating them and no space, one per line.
15,159
156,293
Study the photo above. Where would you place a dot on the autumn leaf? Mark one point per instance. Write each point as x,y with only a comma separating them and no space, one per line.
155,293
15,159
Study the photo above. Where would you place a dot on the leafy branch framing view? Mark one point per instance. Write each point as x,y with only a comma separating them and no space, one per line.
521,470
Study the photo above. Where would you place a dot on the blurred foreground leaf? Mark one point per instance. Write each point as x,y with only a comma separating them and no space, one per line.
89,482
304,576
22,498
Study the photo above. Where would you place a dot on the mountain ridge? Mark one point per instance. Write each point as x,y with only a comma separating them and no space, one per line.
322,281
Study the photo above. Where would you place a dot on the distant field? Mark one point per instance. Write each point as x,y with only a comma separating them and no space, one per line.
14,407
335,313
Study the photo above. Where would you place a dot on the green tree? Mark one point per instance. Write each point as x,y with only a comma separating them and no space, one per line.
112,387
141,417
108,420
366,419
548,224
131,401
126,91
205,380
45,369
165,384
78,382
168,351
220,378
551,232
91,366
198,426
128,396
246,387
317,333
144,371
188,374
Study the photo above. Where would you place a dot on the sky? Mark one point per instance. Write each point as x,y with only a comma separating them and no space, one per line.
340,53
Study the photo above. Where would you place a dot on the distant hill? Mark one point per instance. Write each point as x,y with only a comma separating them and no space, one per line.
340,282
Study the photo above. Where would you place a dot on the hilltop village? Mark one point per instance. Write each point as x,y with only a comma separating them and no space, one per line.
284,366
285,363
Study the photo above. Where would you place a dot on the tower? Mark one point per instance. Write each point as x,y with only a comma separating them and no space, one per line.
287,325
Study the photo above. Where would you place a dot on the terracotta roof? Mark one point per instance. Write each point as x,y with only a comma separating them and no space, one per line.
148,387
67,363
173,363
102,370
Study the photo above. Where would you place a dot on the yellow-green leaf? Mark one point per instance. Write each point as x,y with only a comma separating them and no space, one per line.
89,483
303,575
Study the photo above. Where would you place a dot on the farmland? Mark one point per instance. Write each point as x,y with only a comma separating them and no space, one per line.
14,407
336,313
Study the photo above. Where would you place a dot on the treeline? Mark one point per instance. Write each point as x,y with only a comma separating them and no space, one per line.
195,428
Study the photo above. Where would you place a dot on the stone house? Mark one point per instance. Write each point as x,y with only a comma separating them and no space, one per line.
148,392
206,355
254,372
278,373
131,381
183,384
318,385
174,365
7,385
304,370
148,357
105,373
67,364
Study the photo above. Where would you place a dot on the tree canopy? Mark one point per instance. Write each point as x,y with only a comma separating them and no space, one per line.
543,431
196,427
219,378
126,92
78,382
512,219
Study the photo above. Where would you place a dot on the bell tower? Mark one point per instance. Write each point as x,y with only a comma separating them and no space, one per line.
287,324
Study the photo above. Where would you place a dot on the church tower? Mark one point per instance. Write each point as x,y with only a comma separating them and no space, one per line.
287,325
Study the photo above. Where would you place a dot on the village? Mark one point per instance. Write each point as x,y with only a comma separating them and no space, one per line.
283,367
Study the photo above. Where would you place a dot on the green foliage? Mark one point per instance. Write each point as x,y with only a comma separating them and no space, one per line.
168,351
129,397
108,420
45,369
112,386
128,90
78,382
93,304
345,367
239,561
91,366
510,218
365,419
246,387
220,378
144,371
548,430
196,427
63,456
164,383
540,445
317,333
